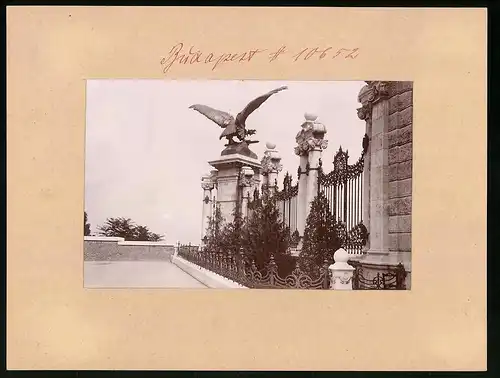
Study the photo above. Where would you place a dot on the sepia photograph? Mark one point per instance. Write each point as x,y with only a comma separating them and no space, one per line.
156,152
248,184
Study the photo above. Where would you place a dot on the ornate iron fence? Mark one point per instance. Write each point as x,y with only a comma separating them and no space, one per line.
287,202
393,279
343,187
239,269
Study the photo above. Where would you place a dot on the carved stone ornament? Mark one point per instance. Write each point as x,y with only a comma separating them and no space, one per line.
246,177
344,279
373,92
246,182
311,137
365,112
271,163
207,183
310,144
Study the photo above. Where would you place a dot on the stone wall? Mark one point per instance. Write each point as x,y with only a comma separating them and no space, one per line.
400,160
116,249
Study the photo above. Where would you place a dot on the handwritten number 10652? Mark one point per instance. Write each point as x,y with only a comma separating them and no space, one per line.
317,53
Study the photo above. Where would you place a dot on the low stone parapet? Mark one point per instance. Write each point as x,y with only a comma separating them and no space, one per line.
117,249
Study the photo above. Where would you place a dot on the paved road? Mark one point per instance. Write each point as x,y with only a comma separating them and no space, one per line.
137,274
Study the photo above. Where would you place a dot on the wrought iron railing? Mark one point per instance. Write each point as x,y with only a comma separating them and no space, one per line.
343,187
354,240
393,279
287,202
239,269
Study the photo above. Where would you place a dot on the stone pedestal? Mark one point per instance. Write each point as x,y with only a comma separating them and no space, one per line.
341,271
229,168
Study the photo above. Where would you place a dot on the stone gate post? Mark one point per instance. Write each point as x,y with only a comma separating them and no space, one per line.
207,184
310,144
375,111
246,184
271,167
229,166
302,195
387,108
317,144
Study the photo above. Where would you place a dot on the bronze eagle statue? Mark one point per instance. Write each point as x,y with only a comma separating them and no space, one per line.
234,127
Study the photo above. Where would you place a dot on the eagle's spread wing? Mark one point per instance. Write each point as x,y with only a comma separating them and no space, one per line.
219,117
254,104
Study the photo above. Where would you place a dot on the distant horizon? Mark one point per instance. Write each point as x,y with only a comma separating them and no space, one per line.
146,150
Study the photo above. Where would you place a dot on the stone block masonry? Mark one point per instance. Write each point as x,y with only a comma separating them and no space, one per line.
400,160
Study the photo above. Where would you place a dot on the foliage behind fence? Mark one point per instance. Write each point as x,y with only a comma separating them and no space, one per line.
242,270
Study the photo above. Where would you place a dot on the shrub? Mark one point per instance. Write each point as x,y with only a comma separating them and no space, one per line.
320,237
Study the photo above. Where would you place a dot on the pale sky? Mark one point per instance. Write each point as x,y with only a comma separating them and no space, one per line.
146,150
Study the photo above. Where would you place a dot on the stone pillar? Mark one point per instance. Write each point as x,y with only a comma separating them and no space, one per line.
387,110
317,145
379,174
302,196
365,114
310,144
374,111
207,184
176,249
229,168
246,183
271,167
341,271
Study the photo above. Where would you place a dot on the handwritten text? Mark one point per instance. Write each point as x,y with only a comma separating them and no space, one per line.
180,55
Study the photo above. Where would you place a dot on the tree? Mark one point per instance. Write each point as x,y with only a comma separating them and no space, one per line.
127,229
86,225
320,237
230,238
264,235
214,229
142,233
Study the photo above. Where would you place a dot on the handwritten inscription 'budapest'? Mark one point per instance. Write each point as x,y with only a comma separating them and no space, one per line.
179,55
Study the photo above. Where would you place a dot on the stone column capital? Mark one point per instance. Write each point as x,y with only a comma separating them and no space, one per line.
311,137
207,182
373,92
369,95
271,160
